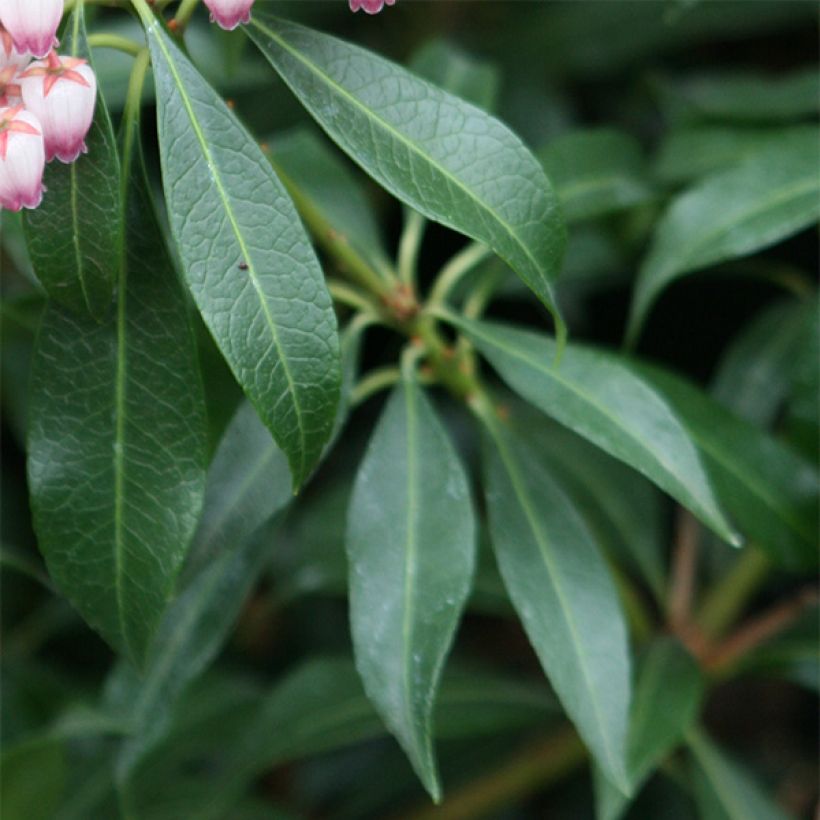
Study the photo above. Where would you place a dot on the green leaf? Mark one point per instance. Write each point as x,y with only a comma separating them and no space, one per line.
756,373
446,65
694,151
117,441
564,595
748,97
441,156
320,182
600,398
75,237
771,196
723,790
247,485
411,547
768,490
596,172
247,260
32,780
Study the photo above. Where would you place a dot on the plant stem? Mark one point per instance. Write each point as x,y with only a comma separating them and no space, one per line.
726,600
409,246
350,296
184,14
537,766
456,269
115,41
684,568
374,382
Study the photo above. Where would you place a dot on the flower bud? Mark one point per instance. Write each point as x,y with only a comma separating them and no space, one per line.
370,6
9,55
22,159
61,93
228,14
32,24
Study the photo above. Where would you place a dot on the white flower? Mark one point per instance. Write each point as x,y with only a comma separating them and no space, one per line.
228,14
61,92
32,24
22,159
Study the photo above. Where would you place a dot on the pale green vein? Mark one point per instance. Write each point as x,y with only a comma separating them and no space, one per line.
411,146
246,256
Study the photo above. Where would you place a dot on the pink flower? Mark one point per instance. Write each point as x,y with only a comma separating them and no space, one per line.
370,6
10,92
9,55
61,92
22,159
228,14
32,24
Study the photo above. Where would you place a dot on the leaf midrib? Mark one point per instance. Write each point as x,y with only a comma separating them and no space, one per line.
543,546
246,256
412,147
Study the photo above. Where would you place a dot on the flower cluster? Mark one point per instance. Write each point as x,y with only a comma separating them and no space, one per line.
46,101
230,13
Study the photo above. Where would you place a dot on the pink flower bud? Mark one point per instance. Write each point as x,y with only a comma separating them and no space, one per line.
228,14
22,159
370,6
61,93
9,55
32,23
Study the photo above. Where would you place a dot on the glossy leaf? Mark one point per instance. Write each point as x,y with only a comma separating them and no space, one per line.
757,370
444,64
564,595
771,196
248,483
768,489
247,260
319,181
441,156
595,172
117,442
600,398
411,547
75,237
723,790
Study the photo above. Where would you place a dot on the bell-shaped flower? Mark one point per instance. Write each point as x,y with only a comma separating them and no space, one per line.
228,14
61,92
9,53
22,159
32,24
10,92
370,6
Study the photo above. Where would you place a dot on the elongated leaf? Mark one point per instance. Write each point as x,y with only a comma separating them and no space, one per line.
597,396
757,371
117,442
769,490
446,159
742,210
668,694
723,790
75,236
444,64
247,260
562,591
247,484
595,172
411,546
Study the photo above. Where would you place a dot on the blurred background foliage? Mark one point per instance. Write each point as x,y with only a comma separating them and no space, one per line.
278,725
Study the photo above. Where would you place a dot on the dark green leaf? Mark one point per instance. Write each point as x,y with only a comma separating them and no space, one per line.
756,372
772,195
767,489
595,172
597,396
117,442
447,66
723,790
247,484
562,590
75,236
446,159
247,260
411,547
